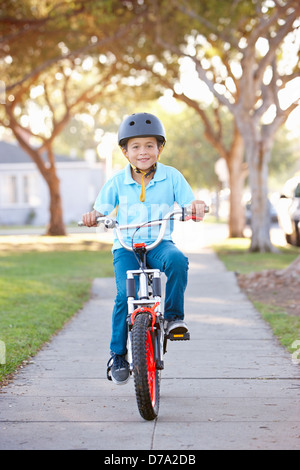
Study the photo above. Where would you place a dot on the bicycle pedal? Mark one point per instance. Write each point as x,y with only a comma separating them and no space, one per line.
159,365
179,336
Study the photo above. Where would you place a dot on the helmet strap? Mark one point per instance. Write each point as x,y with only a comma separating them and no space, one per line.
144,175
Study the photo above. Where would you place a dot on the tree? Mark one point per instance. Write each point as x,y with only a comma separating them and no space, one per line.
224,42
221,39
58,95
56,37
248,91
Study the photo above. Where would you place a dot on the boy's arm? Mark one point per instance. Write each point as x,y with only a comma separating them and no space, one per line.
89,219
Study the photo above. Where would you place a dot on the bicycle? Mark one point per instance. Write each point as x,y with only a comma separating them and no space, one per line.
147,337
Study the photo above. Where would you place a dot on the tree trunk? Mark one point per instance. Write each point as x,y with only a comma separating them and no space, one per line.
236,210
48,172
257,158
56,225
237,173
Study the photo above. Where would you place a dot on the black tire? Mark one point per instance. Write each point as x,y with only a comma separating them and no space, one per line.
146,376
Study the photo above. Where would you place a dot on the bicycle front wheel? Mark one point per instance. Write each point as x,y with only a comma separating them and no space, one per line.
146,375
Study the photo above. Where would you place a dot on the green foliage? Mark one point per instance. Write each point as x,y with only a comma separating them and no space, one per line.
50,31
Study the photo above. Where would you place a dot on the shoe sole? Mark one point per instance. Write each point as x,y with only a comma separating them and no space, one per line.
118,382
179,330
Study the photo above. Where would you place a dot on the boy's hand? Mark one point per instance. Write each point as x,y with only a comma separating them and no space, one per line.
89,219
198,209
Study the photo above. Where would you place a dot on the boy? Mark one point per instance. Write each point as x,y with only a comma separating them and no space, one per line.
144,190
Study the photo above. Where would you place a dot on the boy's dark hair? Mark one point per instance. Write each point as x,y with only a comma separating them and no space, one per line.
159,141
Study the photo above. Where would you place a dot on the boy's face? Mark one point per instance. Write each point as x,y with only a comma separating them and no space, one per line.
142,152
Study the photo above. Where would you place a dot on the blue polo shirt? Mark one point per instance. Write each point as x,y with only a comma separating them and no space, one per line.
167,187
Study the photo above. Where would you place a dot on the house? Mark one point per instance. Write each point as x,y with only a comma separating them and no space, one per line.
24,194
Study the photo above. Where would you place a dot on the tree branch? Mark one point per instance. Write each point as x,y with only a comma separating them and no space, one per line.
274,42
210,26
26,25
120,33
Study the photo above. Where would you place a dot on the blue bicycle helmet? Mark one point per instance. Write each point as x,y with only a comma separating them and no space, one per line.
141,125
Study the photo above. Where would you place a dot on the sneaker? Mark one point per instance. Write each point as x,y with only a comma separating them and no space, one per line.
118,369
176,327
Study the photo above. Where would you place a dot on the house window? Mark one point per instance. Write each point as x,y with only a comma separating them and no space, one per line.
26,189
18,190
9,191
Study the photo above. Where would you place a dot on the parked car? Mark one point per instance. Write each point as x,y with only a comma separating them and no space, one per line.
288,210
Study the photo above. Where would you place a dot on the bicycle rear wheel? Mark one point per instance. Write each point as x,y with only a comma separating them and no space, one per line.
146,375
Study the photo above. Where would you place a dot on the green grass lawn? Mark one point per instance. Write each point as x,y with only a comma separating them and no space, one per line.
236,256
39,293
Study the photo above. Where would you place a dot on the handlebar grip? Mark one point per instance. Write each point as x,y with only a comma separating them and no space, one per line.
106,221
188,215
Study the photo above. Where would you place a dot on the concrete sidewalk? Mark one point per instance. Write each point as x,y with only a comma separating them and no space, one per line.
231,387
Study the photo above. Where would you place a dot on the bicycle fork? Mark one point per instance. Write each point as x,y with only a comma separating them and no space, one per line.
146,305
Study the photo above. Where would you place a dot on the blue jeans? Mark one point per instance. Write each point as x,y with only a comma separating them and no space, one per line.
167,258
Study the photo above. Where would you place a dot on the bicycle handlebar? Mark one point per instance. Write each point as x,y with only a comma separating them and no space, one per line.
110,223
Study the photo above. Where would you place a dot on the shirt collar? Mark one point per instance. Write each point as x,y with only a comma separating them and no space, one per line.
159,175
128,178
